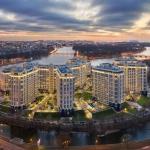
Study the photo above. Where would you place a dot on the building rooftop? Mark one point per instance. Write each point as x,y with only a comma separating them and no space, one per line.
45,66
108,68
28,67
64,69
129,61
74,62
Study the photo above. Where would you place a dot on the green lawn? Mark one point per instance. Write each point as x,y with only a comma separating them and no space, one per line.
84,95
129,109
47,115
5,109
144,101
78,95
124,105
79,116
39,98
6,103
104,114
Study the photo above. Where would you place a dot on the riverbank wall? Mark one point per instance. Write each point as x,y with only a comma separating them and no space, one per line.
91,126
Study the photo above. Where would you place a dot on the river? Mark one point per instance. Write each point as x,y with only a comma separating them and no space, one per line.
53,138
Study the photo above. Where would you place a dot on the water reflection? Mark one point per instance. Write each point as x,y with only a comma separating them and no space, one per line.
54,138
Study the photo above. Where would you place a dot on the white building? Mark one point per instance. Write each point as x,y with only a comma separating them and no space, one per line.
65,88
4,78
81,69
108,84
23,86
135,75
46,78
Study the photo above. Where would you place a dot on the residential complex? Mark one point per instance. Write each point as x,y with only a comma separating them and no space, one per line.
135,73
23,85
81,69
108,81
65,81
46,78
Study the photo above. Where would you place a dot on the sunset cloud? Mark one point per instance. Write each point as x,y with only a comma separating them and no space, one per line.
71,19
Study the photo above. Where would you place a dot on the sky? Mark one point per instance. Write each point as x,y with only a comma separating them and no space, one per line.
97,20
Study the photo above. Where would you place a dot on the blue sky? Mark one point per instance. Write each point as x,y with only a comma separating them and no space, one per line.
102,20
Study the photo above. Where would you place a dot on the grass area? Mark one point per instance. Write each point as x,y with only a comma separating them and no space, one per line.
27,112
84,95
47,115
5,103
39,98
78,95
104,114
124,105
79,116
132,110
144,101
5,109
128,108
87,95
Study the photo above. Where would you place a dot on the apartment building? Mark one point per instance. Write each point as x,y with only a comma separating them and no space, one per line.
65,81
135,73
23,86
81,69
46,75
108,84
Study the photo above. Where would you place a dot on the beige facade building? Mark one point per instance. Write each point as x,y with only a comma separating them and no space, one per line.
46,78
81,69
65,81
22,84
135,75
4,84
108,84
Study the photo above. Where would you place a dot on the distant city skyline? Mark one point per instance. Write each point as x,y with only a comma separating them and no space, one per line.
96,20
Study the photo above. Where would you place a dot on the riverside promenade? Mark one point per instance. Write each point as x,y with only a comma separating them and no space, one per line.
93,126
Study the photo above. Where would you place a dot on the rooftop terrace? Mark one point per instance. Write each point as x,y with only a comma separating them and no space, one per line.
64,69
75,62
28,67
108,68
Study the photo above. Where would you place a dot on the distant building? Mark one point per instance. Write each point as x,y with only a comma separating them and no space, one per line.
108,84
135,75
4,84
46,75
65,88
81,69
23,86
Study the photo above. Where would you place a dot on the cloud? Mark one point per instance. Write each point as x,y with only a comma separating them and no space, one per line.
72,16
120,14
